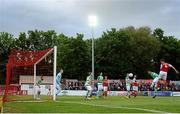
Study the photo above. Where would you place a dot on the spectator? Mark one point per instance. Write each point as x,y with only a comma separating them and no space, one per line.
120,86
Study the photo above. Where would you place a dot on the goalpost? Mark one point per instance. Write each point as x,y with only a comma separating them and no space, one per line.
30,65
54,71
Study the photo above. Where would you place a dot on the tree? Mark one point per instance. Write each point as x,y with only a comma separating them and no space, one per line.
41,40
126,50
73,56
6,43
169,50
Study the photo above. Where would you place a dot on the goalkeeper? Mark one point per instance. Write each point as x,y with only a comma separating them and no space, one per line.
58,82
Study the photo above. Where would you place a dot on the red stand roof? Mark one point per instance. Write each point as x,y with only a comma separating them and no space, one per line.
25,58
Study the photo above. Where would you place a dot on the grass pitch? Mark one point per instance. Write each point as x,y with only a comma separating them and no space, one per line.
69,104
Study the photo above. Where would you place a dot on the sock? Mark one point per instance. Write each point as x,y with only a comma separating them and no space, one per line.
152,85
87,93
106,93
90,93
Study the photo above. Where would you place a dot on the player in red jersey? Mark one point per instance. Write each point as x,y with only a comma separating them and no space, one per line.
105,86
135,87
164,68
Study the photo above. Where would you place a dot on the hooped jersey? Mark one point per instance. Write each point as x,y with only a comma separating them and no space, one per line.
128,81
88,81
100,80
154,75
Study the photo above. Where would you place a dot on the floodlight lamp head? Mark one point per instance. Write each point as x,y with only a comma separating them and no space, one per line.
92,20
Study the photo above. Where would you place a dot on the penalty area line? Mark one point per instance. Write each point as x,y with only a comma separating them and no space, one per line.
121,107
30,101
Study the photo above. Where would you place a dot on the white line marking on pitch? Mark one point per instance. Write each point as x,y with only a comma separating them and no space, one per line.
107,106
30,101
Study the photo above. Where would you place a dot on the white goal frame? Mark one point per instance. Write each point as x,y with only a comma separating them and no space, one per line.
54,49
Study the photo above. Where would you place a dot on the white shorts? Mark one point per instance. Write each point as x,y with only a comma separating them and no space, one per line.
162,75
38,89
105,88
128,87
156,79
100,88
135,88
89,88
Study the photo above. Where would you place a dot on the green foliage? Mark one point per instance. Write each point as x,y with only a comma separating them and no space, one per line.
73,56
6,42
169,50
36,40
117,51
126,50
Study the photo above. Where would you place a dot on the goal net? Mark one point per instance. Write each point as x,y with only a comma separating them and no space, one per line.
30,74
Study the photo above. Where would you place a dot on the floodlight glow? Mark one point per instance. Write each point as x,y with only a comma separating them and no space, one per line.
92,20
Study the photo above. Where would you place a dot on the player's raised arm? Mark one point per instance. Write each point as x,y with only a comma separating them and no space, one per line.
174,68
134,79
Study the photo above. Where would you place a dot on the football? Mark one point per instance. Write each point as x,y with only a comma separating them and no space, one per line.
130,74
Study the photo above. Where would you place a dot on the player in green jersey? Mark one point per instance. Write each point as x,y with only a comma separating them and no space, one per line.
155,79
128,84
38,86
88,85
100,86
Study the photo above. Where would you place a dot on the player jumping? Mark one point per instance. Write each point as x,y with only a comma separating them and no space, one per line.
128,84
100,86
58,82
164,68
88,85
155,79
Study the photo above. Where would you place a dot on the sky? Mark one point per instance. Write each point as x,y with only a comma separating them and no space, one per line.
71,16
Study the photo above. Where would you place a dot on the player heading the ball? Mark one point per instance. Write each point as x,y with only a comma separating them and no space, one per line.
128,84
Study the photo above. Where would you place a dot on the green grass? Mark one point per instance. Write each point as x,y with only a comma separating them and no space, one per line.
67,104
1,102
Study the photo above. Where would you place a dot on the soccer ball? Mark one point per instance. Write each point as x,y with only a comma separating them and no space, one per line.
130,74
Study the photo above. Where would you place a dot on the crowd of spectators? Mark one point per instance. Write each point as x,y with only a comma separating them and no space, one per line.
120,85
75,85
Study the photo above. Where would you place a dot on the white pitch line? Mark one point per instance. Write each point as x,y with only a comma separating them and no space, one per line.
29,101
122,107
107,106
